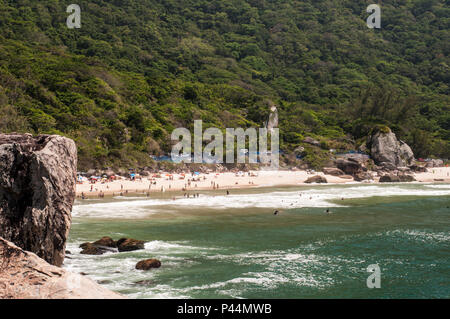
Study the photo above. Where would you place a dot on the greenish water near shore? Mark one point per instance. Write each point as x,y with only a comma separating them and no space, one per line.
220,246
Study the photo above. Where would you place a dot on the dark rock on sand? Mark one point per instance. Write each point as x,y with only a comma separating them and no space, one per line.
349,166
389,179
129,244
37,190
316,179
333,171
148,264
405,178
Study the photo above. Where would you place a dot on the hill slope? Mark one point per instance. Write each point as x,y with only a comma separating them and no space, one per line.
138,69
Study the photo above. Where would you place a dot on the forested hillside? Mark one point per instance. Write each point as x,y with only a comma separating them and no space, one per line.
137,69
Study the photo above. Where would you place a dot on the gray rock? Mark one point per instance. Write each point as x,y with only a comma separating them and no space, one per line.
37,190
387,151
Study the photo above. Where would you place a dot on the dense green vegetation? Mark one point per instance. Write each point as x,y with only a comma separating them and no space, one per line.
137,69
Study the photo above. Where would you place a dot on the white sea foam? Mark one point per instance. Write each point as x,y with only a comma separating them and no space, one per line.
310,197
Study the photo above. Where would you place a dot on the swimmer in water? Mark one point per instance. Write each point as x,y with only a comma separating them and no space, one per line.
328,211
276,212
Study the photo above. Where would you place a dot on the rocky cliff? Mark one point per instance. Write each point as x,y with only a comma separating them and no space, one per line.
37,190
23,275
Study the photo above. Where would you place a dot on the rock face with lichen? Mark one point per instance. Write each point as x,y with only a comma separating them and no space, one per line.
37,190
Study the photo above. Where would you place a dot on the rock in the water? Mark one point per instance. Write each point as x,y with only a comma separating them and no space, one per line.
333,171
316,179
386,150
389,179
37,190
129,244
23,275
148,264
91,249
105,241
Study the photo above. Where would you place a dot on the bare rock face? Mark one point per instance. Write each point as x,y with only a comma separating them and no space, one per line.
23,275
386,150
37,190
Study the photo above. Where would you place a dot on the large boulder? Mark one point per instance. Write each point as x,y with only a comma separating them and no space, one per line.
37,190
349,166
386,150
129,244
23,275
148,264
316,179
332,171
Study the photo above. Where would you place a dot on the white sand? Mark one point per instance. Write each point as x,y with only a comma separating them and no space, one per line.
226,181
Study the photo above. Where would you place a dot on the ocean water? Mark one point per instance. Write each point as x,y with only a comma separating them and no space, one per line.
220,246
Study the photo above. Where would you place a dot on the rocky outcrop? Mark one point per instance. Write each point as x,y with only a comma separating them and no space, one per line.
386,150
148,264
23,275
37,190
316,179
129,244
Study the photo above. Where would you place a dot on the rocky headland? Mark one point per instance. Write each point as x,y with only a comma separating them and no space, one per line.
37,191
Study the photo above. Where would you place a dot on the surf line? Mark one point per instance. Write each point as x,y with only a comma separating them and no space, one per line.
185,309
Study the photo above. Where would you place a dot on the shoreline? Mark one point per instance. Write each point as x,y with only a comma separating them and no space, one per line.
193,184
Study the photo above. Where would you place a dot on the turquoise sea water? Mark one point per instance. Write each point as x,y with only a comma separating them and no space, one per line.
219,246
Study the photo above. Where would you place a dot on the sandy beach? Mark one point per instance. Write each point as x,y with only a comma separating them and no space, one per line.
193,183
